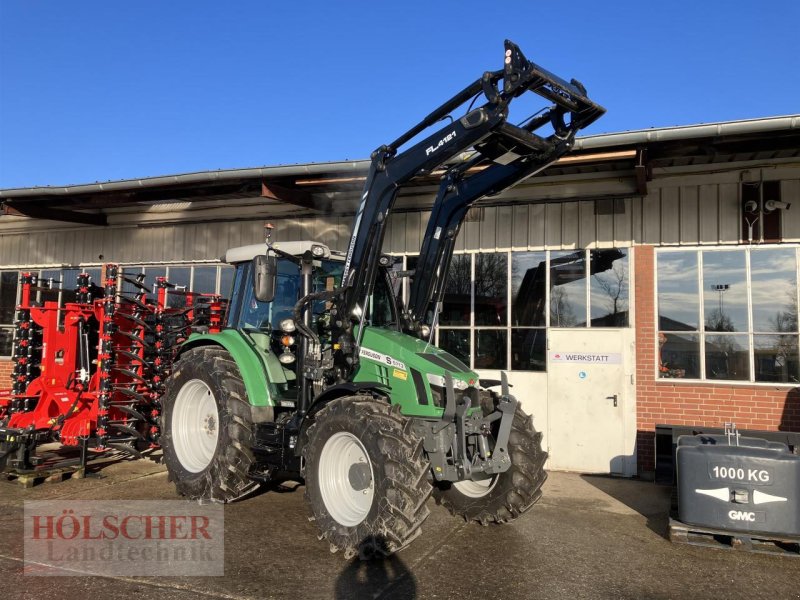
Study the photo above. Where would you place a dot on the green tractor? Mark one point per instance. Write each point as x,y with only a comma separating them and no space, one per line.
322,374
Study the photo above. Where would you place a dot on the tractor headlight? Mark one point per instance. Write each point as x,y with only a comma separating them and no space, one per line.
424,331
318,251
287,326
286,358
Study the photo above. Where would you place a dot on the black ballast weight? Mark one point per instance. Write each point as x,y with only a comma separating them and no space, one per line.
739,484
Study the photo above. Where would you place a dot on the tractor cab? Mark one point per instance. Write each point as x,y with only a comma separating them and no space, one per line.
268,287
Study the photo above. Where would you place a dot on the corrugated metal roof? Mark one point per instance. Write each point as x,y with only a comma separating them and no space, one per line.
768,125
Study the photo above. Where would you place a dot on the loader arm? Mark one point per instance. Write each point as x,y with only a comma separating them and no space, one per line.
484,128
458,191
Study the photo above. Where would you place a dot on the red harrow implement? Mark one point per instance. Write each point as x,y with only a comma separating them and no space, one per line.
89,374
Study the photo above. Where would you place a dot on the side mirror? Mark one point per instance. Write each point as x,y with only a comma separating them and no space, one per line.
265,269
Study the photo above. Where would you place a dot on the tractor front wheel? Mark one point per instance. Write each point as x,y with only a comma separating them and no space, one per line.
206,426
505,496
366,477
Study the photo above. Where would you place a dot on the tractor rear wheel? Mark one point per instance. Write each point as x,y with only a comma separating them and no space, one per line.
505,496
366,477
206,427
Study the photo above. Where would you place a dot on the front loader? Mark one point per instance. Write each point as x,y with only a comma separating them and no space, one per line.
321,374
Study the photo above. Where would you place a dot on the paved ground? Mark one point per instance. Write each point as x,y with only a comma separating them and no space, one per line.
590,537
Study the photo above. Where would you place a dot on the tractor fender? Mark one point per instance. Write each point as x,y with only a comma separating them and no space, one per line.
340,390
347,389
250,367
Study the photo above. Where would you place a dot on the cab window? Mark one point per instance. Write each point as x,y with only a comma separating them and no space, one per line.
382,308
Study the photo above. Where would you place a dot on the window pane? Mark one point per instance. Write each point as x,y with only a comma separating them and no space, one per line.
94,274
529,349
265,316
205,280
727,357
457,293
776,358
411,264
456,342
179,277
8,296
226,281
725,291
51,278
609,288
491,289
773,275
680,355
6,336
131,273
153,273
490,349
60,279
381,311
678,298
528,295
235,300
568,289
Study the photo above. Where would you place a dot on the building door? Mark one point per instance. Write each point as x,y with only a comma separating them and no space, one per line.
591,401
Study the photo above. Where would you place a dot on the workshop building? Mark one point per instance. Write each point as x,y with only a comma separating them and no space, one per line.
647,281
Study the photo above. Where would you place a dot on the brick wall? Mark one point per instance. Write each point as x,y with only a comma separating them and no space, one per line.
5,373
695,404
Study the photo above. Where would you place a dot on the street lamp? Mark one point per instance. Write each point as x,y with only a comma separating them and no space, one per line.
721,288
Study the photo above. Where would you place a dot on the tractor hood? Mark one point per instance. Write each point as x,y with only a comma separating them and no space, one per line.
413,369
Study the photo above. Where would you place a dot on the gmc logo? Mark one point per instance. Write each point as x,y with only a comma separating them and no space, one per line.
741,515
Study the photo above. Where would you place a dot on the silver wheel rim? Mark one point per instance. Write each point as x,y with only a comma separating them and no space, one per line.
195,426
346,480
476,489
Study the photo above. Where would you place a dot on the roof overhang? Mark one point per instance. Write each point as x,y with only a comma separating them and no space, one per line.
317,188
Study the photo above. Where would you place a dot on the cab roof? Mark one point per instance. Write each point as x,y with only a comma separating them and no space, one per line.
246,253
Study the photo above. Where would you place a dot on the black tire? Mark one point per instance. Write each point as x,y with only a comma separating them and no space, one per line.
225,477
399,477
512,492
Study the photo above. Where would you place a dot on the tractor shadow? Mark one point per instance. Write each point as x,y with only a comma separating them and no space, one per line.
376,577
280,486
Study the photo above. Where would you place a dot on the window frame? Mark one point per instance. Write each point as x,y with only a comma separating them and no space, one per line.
701,330
509,328
10,326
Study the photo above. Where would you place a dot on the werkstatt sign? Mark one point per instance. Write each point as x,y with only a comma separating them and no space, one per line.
595,358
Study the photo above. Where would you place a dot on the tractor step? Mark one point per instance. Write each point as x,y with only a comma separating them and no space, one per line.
682,533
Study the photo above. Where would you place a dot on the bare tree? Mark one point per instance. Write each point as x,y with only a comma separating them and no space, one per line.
561,312
614,284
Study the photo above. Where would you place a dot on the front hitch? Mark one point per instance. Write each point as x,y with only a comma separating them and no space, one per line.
471,427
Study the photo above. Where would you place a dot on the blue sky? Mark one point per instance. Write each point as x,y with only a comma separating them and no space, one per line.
99,90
